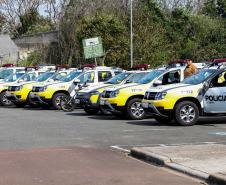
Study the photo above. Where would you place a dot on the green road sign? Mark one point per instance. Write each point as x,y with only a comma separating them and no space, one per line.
93,48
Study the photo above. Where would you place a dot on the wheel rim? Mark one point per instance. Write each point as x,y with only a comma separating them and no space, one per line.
58,100
66,104
5,100
187,113
137,110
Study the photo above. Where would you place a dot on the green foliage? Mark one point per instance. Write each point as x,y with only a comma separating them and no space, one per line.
32,22
215,8
209,8
159,34
221,8
27,21
33,59
114,33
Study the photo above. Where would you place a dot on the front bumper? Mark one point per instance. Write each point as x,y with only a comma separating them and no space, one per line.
14,98
153,110
86,101
36,99
113,108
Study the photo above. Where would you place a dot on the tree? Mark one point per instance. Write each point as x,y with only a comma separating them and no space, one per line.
13,11
114,33
74,13
54,10
27,21
2,23
221,8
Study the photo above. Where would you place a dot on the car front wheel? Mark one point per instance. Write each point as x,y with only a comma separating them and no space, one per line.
135,110
186,113
4,101
57,99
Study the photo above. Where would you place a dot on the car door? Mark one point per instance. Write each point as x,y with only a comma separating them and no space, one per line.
104,76
89,78
214,100
170,77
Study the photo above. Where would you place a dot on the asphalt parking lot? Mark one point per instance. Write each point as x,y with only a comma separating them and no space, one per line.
32,128
53,147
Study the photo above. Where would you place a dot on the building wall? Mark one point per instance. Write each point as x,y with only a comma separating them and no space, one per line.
28,44
8,50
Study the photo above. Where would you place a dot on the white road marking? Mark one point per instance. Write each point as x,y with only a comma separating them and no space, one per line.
121,149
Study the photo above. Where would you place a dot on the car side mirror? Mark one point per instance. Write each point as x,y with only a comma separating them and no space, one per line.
128,81
51,80
21,80
85,84
76,81
157,83
207,85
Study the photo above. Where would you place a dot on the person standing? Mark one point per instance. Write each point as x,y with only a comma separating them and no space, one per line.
190,69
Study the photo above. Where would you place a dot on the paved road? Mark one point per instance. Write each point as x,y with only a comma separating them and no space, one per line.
49,147
20,129
79,166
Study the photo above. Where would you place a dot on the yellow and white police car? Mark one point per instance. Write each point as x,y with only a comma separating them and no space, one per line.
202,94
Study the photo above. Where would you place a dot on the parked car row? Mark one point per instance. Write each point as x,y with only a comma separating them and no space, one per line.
163,92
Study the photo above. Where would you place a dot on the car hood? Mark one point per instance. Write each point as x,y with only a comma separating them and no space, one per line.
94,88
167,87
118,87
47,84
23,83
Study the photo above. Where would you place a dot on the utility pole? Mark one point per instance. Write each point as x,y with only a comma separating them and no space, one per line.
131,33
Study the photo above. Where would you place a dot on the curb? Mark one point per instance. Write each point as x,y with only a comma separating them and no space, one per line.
167,162
149,156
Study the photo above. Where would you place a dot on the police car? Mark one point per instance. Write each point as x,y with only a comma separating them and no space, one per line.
202,94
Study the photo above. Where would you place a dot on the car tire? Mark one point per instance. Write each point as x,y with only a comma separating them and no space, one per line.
56,101
31,103
186,113
134,110
91,111
66,107
163,120
4,101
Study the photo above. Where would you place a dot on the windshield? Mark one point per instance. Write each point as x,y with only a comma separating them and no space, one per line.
28,77
13,77
5,73
199,77
118,78
57,76
150,76
135,78
70,77
45,76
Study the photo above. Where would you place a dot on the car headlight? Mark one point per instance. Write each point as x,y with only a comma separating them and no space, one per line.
160,95
95,93
114,94
42,89
19,88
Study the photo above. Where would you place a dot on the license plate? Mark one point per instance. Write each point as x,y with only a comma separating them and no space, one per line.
102,102
145,105
8,94
77,101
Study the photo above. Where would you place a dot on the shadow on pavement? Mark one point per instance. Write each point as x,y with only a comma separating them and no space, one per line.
77,114
150,123
107,117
